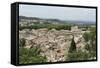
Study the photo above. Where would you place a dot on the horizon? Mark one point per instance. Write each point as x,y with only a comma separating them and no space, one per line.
89,22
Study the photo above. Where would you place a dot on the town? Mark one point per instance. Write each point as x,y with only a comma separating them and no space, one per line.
56,41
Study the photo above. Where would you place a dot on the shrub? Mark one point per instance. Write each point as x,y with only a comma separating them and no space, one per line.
91,38
75,56
87,36
30,56
87,47
91,35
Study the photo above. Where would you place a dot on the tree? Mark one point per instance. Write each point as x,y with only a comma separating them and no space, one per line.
73,46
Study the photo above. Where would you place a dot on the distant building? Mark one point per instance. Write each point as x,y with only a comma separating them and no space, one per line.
75,28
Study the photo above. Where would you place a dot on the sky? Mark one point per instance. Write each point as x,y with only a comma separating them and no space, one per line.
54,12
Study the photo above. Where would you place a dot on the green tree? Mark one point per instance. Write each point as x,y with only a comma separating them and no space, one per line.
73,46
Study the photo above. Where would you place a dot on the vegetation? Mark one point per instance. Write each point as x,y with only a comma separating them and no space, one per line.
76,56
87,36
73,46
90,39
49,26
30,56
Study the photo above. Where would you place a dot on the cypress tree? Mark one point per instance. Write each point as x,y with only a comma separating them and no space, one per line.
73,46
